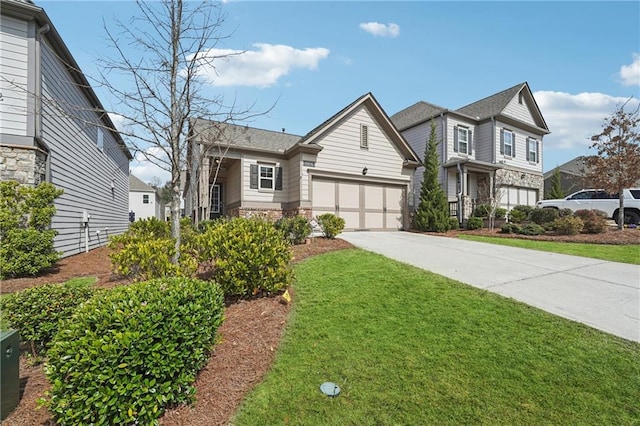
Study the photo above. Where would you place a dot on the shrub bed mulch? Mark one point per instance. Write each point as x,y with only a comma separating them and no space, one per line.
249,339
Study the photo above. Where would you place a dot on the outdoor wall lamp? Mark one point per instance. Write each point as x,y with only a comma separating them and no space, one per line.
364,171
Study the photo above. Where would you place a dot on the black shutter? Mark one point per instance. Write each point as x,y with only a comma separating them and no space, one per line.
470,142
278,178
253,177
537,151
455,138
513,144
501,141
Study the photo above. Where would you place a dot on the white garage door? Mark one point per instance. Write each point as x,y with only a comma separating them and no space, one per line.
513,196
362,205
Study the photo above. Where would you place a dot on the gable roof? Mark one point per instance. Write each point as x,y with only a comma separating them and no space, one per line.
416,113
26,9
137,185
491,105
575,167
370,102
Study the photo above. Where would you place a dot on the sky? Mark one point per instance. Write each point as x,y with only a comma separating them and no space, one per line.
310,59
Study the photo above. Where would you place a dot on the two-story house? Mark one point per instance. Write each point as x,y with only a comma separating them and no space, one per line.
144,201
489,149
53,128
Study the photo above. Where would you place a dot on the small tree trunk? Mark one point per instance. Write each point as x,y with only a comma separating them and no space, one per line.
621,210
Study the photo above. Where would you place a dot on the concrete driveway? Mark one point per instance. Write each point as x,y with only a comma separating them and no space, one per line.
603,295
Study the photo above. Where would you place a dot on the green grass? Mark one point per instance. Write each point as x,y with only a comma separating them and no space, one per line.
610,252
409,347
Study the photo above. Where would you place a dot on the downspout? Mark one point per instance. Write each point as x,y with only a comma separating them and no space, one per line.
459,194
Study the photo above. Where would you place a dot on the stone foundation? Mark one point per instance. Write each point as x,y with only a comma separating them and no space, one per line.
520,178
26,165
268,214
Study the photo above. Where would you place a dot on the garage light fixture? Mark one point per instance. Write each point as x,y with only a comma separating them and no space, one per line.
364,171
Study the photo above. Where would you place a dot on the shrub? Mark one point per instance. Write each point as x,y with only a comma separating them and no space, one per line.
474,223
26,242
453,223
500,213
510,228
595,221
129,353
565,212
542,216
481,210
246,256
331,224
519,213
531,229
37,311
568,225
296,228
150,228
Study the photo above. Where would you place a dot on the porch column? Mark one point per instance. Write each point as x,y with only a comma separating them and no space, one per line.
203,193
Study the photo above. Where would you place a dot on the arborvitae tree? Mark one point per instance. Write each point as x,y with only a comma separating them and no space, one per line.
555,192
433,210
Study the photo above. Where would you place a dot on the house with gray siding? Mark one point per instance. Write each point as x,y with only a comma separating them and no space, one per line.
355,165
491,149
53,128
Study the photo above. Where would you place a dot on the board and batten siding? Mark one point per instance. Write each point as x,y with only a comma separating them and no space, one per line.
520,160
342,153
14,85
93,180
519,111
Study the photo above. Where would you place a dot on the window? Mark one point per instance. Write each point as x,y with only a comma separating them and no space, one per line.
100,140
364,137
463,140
507,145
145,199
533,151
266,177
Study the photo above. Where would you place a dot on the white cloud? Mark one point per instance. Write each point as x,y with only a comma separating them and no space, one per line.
262,67
145,170
630,74
381,30
573,119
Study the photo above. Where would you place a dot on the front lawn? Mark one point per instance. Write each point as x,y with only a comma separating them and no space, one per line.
628,253
410,347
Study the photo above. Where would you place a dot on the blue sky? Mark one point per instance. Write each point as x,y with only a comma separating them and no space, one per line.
581,59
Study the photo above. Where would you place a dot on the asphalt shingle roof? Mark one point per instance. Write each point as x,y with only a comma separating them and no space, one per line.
414,114
491,105
136,184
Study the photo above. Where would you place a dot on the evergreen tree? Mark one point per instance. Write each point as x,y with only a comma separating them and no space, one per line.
555,192
433,210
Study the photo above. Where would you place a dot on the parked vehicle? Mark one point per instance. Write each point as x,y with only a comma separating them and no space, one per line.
597,199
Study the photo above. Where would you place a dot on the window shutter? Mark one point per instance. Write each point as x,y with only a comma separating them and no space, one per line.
513,144
501,141
470,142
253,177
537,152
278,178
455,138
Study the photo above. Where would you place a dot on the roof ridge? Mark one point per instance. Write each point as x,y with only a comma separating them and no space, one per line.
495,95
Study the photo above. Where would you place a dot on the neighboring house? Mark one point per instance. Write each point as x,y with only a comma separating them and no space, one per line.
355,165
571,176
53,129
490,147
144,200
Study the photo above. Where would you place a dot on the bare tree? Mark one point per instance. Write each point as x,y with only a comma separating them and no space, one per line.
491,193
160,55
616,165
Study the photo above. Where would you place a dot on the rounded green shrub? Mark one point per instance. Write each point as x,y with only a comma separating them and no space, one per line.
565,212
474,223
150,228
129,353
510,228
542,216
453,223
500,213
331,224
595,221
38,311
481,210
296,228
27,252
531,229
246,256
519,213
568,225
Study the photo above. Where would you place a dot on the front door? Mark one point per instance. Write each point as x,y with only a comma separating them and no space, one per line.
216,201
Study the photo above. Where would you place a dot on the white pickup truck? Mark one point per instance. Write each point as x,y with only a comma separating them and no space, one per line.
595,199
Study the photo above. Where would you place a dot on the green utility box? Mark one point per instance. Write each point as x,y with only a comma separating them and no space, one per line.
9,371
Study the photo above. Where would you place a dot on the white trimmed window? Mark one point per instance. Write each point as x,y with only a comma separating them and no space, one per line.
364,136
266,177
532,153
507,147
145,199
463,139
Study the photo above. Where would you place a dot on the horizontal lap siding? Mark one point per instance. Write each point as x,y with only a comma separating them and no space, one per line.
294,178
484,142
519,111
14,60
520,160
78,166
342,153
233,183
265,196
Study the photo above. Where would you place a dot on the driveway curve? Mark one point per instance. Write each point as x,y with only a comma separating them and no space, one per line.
604,295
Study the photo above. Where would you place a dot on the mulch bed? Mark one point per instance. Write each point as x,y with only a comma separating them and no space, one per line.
250,334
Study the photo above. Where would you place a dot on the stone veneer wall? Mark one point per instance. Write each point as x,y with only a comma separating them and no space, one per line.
268,214
520,178
23,164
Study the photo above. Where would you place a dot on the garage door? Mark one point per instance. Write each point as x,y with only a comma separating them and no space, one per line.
362,205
